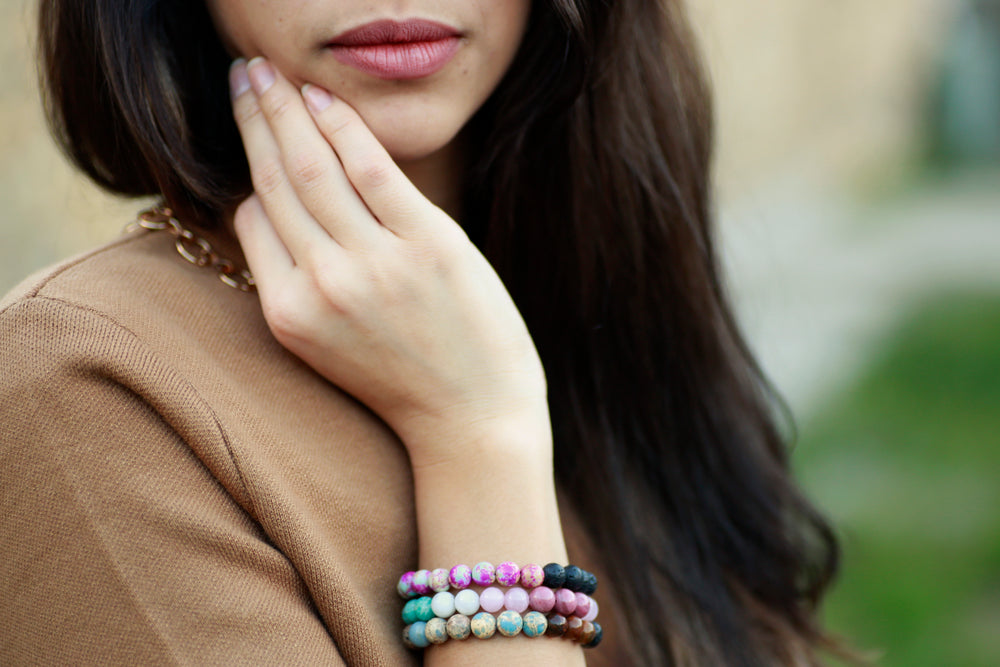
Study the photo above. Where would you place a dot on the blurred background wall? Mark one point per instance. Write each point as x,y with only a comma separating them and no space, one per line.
859,203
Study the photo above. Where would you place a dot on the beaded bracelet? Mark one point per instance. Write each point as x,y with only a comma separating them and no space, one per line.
553,575
484,625
493,600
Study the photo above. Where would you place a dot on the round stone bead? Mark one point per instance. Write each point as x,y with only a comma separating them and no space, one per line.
423,609
574,578
588,633
598,636
410,612
484,573
557,625
467,602
589,584
460,576
483,625
542,599
516,599
582,605
565,601
555,575
418,634
405,586
508,573
459,626
535,624
592,614
420,582
436,631
443,604
491,600
509,623
437,580
532,576
574,628
406,639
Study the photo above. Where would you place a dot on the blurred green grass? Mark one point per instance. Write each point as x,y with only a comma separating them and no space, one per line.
907,460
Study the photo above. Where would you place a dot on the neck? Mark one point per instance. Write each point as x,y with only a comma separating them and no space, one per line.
439,177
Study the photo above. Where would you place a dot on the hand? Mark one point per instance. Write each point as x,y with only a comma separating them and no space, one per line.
371,284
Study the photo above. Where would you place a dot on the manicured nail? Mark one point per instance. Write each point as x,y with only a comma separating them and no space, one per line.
316,98
261,75
239,82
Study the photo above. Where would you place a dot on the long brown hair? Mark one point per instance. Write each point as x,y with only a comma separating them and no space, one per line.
589,190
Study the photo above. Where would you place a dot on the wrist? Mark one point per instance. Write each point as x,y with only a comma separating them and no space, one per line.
456,447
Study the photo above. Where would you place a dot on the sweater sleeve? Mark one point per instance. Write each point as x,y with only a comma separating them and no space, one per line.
120,542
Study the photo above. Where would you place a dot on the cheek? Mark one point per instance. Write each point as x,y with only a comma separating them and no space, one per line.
249,29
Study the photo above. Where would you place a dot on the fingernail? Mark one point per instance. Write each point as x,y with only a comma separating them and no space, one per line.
239,82
261,75
316,98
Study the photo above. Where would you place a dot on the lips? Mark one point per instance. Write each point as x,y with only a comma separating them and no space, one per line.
397,50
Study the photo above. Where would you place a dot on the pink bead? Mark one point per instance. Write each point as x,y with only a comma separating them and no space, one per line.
565,602
532,576
437,581
491,600
460,576
405,585
592,614
516,599
542,599
582,605
420,582
484,573
508,573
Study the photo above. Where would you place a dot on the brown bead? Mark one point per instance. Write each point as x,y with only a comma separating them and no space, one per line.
557,625
574,628
588,633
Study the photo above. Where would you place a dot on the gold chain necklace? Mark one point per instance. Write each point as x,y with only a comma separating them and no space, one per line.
193,248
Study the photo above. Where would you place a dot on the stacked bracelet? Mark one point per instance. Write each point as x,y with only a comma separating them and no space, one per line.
484,625
553,575
539,601
493,600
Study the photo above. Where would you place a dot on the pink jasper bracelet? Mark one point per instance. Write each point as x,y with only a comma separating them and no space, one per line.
507,574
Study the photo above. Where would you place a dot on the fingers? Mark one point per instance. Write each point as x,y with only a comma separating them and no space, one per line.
267,170
383,186
268,259
299,180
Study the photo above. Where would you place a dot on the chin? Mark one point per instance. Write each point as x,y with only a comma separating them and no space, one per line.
411,133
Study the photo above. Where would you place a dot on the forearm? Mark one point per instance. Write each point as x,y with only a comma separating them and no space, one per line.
498,504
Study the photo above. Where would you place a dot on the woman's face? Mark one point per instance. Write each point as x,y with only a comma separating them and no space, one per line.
416,70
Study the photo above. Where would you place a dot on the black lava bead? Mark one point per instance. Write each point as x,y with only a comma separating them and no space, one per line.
589,584
598,636
555,576
574,578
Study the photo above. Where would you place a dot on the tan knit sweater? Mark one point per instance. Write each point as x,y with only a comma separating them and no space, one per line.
177,488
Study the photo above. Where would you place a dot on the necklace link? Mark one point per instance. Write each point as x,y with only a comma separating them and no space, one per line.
193,248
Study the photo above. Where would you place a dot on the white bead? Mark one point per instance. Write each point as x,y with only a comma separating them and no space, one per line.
443,605
466,602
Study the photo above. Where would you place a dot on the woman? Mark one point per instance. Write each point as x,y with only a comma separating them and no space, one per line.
193,475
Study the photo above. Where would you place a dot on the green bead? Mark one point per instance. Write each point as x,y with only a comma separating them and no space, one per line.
410,612
423,609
